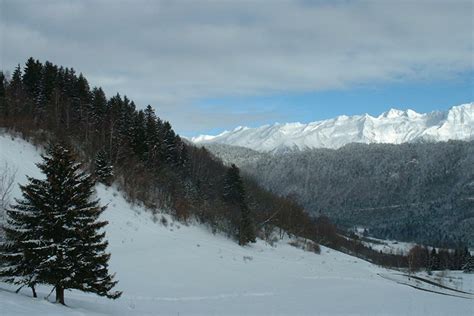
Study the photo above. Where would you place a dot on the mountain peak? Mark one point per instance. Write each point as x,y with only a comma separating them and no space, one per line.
393,126
393,113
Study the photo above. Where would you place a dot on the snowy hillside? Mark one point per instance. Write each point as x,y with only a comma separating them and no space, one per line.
166,268
393,126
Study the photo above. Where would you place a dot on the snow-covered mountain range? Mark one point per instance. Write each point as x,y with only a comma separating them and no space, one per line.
393,126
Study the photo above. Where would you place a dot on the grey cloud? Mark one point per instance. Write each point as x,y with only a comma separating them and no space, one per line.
172,53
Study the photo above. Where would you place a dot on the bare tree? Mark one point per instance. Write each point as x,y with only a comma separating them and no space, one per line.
7,180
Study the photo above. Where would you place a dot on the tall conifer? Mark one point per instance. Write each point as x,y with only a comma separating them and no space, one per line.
234,194
57,223
103,169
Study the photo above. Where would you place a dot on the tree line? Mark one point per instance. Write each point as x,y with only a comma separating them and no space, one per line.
442,259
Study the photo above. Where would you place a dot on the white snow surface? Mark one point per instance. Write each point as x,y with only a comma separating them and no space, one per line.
176,269
393,126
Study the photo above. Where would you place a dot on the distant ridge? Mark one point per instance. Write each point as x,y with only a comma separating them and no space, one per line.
394,126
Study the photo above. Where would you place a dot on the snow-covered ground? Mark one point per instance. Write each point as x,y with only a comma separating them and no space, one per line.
175,269
391,246
386,246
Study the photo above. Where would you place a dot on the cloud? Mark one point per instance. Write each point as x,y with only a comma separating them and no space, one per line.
173,53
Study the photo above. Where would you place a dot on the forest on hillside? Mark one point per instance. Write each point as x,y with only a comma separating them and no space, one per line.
421,192
44,102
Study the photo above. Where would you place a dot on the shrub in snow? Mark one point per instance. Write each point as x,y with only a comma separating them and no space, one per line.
305,244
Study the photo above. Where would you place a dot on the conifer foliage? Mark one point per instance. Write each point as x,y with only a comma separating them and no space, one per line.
469,265
22,251
234,194
54,235
103,168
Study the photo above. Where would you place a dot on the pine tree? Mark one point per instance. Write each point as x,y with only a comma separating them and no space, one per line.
32,77
124,130
182,156
44,99
99,112
83,102
66,235
103,168
169,144
15,94
234,194
32,82
114,107
152,137
246,228
138,136
16,80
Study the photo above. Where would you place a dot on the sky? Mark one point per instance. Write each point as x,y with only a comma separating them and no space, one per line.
209,66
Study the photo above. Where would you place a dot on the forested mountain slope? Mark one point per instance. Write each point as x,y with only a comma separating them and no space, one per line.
421,192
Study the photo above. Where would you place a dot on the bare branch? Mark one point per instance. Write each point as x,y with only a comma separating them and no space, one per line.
7,181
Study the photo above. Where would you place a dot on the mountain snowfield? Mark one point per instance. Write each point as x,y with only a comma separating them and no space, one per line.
393,126
177,269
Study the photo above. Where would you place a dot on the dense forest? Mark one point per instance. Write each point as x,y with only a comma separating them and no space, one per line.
422,192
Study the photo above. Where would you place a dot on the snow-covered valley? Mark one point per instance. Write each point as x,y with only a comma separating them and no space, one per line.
167,268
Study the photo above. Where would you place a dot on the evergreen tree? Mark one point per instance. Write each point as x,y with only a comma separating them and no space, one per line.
32,77
66,235
182,156
32,82
169,144
234,194
45,94
114,107
246,228
83,102
152,136
125,129
15,93
103,168
99,111
434,260
139,135
16,80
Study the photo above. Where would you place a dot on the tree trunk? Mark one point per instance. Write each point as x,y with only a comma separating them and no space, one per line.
34,291
60,295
